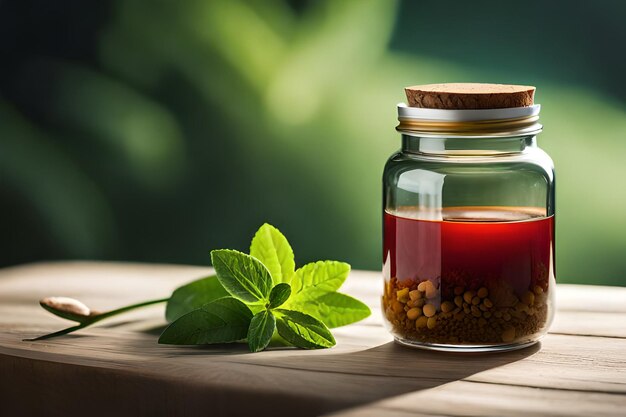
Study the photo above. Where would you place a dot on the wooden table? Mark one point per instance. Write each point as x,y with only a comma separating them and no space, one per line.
118,369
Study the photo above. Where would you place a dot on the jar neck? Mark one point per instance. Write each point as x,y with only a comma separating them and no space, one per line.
467,146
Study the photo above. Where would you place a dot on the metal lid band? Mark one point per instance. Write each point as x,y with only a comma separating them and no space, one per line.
497,122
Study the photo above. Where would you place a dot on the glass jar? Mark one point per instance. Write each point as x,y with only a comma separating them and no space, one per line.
468,226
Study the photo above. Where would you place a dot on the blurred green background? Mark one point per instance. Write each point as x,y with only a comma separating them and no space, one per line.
158,130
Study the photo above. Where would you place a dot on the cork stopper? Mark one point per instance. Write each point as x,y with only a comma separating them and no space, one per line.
469,96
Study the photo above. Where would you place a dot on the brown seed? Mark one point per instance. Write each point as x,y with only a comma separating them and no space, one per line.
432,322
429,310
528,298
447,306
414,313
429,289
420,302
468,296
458,300
421,322
476,312
397,307
487,314
506,316
508,334
538,290
415,295
475,301
458,290
482,307
483,292
403,295
487,302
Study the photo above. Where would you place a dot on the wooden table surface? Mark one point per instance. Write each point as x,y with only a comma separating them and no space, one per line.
116,368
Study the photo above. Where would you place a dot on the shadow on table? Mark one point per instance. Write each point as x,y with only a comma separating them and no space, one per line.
334,381
389,370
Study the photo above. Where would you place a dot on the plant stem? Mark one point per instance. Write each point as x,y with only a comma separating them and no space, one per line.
121,310
55,334
98,317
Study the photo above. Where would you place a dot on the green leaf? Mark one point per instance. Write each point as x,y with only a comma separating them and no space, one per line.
192,296
272,248
321,276
334,309
261,330
225,320
242,275
303,330
280,293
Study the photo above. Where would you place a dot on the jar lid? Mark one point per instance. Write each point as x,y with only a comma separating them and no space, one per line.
468,96
469,109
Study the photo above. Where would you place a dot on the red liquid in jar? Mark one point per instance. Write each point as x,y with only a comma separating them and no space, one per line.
471,247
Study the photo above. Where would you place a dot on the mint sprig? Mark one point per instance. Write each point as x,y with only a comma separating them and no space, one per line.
243,276
298,304
261,329
303,330
280,293
221,321
321,276
272,248
194,295
250,298
334,309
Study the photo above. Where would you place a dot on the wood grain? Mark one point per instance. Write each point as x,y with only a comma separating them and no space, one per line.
118,368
